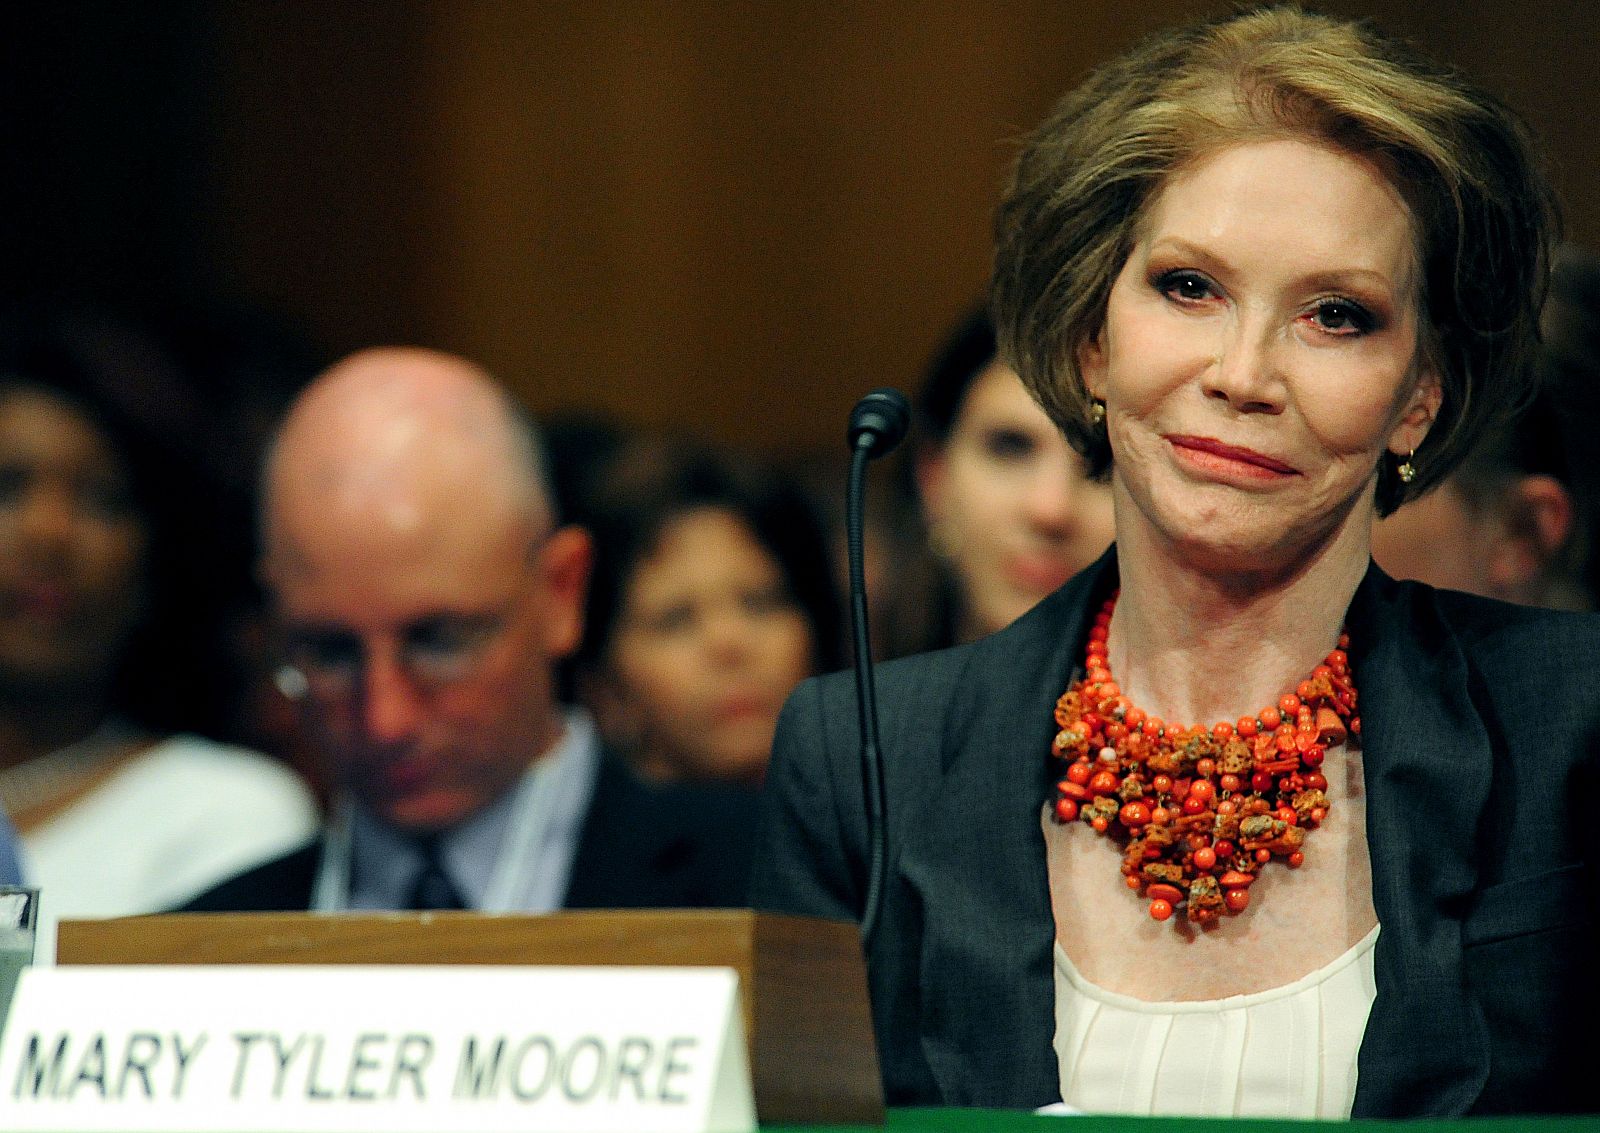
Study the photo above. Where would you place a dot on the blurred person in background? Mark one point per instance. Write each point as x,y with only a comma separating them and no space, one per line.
1504,525
426,591
10,867
1571,370
103,653
1516,521
1010,510
712,598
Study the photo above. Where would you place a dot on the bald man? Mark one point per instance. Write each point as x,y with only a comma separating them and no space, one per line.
426,595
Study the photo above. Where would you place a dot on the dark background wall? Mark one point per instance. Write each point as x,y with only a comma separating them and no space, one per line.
727,218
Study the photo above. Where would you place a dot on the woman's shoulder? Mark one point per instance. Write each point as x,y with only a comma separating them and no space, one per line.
1525,659
994,661
222,779
1495,632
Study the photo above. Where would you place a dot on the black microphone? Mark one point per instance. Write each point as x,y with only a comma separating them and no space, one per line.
877,424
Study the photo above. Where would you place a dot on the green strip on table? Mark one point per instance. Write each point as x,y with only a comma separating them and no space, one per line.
1007,1121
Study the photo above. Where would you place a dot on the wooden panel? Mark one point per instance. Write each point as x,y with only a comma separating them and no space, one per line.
802,981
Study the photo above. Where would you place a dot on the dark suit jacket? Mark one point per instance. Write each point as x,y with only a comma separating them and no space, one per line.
1481,728
643,845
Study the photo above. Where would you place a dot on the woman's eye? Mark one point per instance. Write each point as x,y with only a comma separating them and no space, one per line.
766,600
1185,286
13,484
1342,316
1008,444
672,619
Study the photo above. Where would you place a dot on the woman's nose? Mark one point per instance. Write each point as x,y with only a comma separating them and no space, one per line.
48,517
1245,372
1050,501
727,633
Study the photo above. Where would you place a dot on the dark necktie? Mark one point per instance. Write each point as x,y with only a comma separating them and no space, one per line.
434,889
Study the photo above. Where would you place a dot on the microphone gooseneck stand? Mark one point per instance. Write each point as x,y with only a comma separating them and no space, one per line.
877,424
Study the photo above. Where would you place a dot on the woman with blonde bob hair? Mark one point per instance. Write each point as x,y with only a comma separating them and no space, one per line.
1233,823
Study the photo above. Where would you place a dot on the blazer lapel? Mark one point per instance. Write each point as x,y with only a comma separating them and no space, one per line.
1428,765
978,859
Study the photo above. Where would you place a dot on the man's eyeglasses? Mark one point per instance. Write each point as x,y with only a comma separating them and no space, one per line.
434,653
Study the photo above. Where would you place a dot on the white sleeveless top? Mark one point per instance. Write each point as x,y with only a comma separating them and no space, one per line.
1287,1052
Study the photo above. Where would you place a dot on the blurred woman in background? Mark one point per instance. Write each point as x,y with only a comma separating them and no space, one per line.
1516,521
101,625
1010,511
712,597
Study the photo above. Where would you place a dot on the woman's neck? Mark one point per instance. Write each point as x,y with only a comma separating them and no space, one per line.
34,726
1196,646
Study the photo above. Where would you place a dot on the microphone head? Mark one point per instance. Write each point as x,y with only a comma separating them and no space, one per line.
879,421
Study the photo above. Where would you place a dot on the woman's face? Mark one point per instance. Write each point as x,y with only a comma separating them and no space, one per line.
1260,355
1008,502
71,546
708,645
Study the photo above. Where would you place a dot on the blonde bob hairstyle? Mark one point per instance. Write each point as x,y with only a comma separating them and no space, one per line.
1485,216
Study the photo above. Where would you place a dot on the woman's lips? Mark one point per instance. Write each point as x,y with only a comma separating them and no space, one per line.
1229,461
44,601
1036,574
742,706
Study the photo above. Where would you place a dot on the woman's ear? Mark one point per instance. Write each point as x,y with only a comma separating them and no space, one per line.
1091,357
1422,409
615,717
931,468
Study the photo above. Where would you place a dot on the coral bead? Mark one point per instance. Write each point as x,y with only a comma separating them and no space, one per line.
1313,756
1134,814
1223,732
1231,783
1317,781
1227,806
1270,718
1132,883
1066,810
1246,726
1160,816
1225,850
1261,782
1205,768
1261,855
1192,805
1205,859
1289,704
1080,771
1103,782
1162,784
1161,910
1237,900
1101,825
1203,790
1296,860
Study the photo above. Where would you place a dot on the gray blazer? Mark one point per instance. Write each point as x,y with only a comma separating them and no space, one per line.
1481,729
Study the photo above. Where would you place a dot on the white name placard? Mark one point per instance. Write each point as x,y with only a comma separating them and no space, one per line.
337,1049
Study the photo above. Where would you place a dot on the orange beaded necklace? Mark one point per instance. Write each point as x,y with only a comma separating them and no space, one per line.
1200,809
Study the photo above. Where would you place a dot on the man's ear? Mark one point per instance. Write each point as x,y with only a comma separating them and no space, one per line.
1422,409
564,560
1536,518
